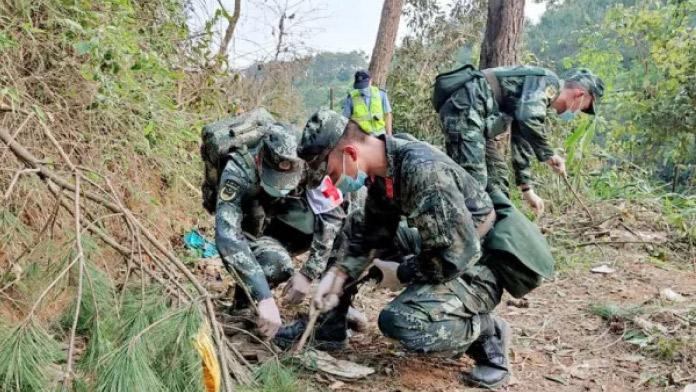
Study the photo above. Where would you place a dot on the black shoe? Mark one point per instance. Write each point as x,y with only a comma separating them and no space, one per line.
491,355
329,335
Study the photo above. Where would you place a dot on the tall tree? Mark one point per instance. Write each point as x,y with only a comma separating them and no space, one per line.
386,39
232,20
503,39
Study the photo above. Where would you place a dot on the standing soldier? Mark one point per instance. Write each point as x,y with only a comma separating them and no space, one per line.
368,106
476,106
456,271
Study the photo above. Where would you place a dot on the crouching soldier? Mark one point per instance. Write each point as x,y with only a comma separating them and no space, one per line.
453,267
263,217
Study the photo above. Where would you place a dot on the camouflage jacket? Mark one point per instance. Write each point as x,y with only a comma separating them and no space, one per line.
526,98
437,197
244,211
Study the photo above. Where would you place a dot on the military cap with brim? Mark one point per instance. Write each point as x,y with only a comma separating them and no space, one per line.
589,81
320,135
281,168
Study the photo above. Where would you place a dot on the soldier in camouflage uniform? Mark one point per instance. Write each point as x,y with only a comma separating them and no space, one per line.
262,218
453,265
491,99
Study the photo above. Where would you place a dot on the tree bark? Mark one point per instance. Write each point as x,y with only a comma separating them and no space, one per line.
503,39
386,39
231,26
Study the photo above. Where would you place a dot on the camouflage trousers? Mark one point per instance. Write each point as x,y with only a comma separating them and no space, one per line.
426,318
465,118
275,261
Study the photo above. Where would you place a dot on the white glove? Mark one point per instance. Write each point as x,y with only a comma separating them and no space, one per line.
534,201
268,321
297,289
557,163
389,279
329,289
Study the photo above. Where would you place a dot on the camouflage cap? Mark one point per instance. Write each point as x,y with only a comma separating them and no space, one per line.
591,82
319,137
281,169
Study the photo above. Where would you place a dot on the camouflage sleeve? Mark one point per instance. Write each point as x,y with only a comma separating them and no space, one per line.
326,227
522,154
231,243
373,229
448,234
530,116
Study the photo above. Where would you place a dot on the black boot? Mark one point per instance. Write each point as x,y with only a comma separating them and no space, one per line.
490,352
330,333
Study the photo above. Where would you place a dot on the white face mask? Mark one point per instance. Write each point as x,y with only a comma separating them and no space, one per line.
366,92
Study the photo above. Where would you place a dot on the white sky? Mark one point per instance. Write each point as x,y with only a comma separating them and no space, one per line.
322,25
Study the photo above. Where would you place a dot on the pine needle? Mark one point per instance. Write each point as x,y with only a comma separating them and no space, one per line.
128,370
273,376
26,352
179,364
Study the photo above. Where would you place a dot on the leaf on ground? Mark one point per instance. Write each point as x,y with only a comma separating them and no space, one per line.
320,360
603,269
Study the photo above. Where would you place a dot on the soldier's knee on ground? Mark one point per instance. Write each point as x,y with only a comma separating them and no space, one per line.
274,259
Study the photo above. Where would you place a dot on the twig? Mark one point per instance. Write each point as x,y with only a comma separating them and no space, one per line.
16,176
577,197
78,298
313,317
45,173
613,242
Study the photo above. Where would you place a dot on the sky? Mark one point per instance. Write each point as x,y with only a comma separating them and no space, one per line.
318,25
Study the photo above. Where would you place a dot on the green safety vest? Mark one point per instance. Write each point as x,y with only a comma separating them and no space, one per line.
370,120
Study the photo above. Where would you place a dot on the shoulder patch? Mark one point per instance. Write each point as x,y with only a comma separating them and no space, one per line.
550,91
229,191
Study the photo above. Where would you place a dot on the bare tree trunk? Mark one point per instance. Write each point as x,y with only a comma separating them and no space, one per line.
501,45
386,39
231,26
503,40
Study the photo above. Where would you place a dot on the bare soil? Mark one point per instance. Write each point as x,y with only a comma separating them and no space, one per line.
559,344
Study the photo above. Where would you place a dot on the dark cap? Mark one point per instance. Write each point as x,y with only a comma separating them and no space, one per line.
362,79
319,137
281,169
590,82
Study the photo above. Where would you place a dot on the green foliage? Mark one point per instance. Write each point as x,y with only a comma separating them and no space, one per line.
274,376
432,47
26,352
611,311
128,369
325,71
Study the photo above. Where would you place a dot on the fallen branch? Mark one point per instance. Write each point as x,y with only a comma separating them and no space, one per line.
612,243
577,197
45,174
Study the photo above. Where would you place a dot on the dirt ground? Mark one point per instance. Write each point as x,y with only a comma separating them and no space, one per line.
559,344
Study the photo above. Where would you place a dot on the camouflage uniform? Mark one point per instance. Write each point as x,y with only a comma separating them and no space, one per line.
526,94
446,290
258,230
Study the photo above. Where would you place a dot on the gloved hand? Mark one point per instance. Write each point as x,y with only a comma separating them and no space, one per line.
389,279
268,321
329,289
534,201
557,163
297,289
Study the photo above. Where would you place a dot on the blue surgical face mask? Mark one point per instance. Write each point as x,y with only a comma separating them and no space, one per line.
569,115
272,191
347,184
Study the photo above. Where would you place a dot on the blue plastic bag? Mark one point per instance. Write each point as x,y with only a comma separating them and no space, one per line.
194,240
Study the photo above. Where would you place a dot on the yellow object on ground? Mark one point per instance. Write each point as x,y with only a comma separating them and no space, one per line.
211,366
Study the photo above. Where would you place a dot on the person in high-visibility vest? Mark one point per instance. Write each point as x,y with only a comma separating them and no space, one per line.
374,116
